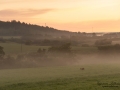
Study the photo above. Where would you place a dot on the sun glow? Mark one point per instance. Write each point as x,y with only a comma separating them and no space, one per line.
59,13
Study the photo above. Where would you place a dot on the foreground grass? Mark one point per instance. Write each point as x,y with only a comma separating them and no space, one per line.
94,77
88,83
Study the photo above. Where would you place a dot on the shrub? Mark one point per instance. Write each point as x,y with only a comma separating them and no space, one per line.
103,42
115,48
85,45
63,48
2,53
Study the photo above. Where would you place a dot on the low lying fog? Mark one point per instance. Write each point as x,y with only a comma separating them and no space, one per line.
59,59
98,59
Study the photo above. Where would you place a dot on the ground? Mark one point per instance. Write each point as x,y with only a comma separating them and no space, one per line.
94,77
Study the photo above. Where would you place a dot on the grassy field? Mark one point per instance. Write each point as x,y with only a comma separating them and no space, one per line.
104,76
94,77
83,50
9,37
15,48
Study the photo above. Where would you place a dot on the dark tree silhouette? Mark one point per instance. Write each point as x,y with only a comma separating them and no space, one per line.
2,53
103,42
17,28
63,48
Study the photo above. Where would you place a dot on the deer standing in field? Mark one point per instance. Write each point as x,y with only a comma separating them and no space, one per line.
82,68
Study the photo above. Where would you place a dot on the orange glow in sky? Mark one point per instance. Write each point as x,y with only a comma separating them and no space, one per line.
71,15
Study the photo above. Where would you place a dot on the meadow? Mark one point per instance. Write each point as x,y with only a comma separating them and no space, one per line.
101,71
15,48
94,77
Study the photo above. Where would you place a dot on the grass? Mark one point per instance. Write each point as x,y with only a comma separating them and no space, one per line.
116,42
94,77
9,37
15,48
84,49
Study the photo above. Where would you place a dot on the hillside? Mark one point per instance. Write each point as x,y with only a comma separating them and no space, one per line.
17,28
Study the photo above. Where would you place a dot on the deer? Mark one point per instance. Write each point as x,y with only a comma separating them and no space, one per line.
82,68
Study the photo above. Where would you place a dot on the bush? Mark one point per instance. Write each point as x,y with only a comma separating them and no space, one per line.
63,48
115,48
103,42
28,42
85,45
41,51
2,53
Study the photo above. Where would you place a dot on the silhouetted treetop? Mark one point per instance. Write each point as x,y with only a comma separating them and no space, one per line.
14,27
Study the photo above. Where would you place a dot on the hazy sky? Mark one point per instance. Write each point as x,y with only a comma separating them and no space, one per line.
72,15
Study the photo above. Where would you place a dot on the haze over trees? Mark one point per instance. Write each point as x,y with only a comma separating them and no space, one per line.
63,47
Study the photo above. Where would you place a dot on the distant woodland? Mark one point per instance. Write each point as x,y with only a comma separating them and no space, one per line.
45,35
17,28
28,45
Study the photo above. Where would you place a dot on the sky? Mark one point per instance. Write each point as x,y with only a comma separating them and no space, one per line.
71,15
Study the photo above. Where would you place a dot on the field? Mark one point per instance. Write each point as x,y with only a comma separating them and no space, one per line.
9,37
15,48
101,71
94,77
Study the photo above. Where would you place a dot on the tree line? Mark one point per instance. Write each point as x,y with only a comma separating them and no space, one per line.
59,55
17,28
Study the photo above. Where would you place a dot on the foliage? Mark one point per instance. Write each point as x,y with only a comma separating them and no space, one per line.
41,51
2,40
17,28
9,60
2,53
103,42
63,48
85,45
29,42
115,48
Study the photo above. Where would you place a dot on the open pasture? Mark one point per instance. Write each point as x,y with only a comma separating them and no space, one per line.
93,77
9,37
15,48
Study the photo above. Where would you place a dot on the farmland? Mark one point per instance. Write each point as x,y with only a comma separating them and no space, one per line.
15,48
94,77
101,71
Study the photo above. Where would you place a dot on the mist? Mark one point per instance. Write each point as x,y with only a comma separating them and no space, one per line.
59,59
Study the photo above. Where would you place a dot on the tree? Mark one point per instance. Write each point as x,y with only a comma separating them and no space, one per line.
112,48
66,47
2,53
103,42
63,48
94,34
